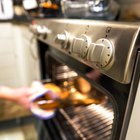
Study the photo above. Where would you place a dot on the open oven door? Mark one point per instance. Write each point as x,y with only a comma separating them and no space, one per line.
95,121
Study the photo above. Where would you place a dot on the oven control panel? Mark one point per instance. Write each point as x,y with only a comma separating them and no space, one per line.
101,53
106,46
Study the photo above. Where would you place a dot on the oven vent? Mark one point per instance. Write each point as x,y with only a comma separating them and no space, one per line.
93,122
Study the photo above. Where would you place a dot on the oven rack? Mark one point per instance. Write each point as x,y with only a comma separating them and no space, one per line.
90,122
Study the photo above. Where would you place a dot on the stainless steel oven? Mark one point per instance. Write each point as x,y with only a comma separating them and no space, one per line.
107,56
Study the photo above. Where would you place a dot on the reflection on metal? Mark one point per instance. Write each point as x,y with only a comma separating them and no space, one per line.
121,70
91,122
64,72
107,9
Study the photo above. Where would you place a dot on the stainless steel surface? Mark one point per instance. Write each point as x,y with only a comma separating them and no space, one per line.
64,72
100,5
100,9
122,39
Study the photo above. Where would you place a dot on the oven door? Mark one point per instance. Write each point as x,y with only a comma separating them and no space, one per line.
103,121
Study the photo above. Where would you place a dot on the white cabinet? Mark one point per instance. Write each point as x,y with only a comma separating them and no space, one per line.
19,63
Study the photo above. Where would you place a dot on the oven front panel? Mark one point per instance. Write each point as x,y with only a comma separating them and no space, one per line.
117,82
84,121
99,45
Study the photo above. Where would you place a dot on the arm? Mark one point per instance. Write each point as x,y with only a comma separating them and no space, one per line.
17,95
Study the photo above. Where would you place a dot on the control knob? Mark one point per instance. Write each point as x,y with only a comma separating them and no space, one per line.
101,53
62,39
40,30
80,46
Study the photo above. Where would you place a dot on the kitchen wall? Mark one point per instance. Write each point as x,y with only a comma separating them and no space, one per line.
129,10
19,63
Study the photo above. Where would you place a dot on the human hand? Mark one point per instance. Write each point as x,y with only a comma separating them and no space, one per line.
21,96
25,97
40,91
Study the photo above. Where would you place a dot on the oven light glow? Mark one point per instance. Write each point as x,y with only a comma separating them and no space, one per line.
67,75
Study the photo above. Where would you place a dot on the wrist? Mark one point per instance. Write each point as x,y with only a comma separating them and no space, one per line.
6,93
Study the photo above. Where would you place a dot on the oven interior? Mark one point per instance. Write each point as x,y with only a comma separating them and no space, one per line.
84,122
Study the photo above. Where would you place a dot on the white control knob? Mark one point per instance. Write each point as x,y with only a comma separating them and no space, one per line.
80,46
62,39
40,29
101,53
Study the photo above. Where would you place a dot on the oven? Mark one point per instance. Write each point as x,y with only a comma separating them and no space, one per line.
107,56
